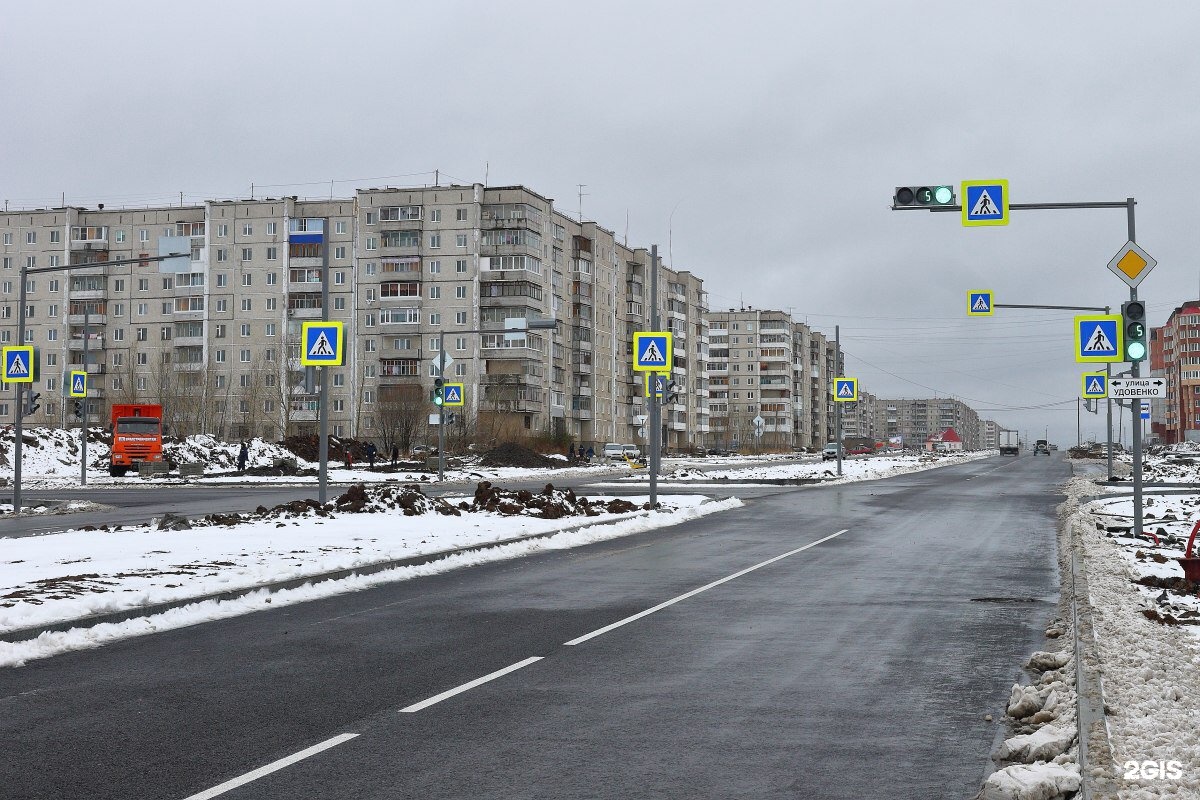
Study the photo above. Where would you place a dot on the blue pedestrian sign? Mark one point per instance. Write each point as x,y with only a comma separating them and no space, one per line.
20,364
78,384
652,351
984,202
322,344
845,390
979,303
660,385
452,394
1098,338
1095,385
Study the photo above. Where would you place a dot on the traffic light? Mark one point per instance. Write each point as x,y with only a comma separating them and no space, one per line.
31,404
923,196
1133,319
79,409
438,386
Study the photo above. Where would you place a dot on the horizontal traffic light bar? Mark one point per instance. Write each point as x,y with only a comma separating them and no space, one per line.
1025,206
923,196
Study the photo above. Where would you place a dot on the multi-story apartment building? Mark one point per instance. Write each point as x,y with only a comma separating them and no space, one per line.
916,420
216,338
1175,353
989,434
861,418
763,364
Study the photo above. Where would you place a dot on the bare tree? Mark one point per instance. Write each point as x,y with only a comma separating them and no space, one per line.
400,411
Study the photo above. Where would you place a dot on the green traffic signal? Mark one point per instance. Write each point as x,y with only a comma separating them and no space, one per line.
1133,315
943,195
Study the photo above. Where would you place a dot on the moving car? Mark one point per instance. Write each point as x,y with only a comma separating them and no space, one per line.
831,452
1041,447
631,450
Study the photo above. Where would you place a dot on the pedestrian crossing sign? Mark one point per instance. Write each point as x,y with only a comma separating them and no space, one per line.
78,385
1095,385
1098,338
984,203
660,385
652,351
979,303
20,364
453,394
845,390
322,344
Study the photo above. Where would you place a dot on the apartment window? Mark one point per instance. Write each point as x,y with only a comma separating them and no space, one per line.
270,303
120,236
164,333
219,356
435,267
222,230
272,254
372,242
460,240
141,334
221,306
8,238
370,217
339,379
460,292
219,331
339,227
435,292
270,331
460,214
143,235
339,303
339,252
460,370
460,343
52,336
433,343
246,279
247,304
460,266
244,355
369,344
247,229
246,330
339,278
30,237
168,283
272,228
247,253
460,318
369,267
143,284
118,285
435,241
119,335
30,262
435,319
56,236
222,279
143,309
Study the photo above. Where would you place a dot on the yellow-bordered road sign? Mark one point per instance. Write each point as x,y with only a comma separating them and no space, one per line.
20,364
652,351
984,202
453,394
845,390
1099,338
1095,385
78,384
322,344
980,303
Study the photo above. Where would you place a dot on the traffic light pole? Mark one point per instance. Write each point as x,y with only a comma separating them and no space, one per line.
655,410
83,428
837,407
442,407
323,397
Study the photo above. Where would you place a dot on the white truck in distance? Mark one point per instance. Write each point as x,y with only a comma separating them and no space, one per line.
1010,443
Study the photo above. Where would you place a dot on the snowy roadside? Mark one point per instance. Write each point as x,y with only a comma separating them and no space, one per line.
76,574
1145,619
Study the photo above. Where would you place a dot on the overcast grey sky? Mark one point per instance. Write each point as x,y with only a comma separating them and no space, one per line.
775,132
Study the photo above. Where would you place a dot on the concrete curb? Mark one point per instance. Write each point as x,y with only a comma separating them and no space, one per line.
25,634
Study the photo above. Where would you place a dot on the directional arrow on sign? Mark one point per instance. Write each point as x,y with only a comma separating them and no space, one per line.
1151,387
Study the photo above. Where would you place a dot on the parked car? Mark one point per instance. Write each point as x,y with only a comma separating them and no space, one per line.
421,450
831,451
860,451
613,450
631,450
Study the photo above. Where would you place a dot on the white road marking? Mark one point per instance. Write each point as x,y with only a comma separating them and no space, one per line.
272,767
706,587
437,698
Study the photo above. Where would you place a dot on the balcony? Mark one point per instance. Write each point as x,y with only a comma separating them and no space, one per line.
189,366
94,342
95,320
89,294
188,341
303,313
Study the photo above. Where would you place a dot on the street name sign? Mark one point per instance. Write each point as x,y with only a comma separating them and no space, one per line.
980,303
1099,338
1151,387
984,203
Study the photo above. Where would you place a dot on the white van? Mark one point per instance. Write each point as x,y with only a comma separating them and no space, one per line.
612,450
631,450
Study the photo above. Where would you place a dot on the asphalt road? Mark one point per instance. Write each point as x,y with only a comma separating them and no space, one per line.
846,643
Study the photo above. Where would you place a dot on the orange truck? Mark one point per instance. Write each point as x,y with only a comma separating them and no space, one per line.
136,436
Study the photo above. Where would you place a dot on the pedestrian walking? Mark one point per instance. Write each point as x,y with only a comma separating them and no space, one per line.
571,451
395,454
243,454
371,451
590,454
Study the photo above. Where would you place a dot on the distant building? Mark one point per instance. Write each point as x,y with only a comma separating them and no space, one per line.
946,440
917,420
1175,353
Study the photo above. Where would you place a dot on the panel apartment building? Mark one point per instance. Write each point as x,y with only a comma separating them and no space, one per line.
916,420
1175,353
217,340
763,364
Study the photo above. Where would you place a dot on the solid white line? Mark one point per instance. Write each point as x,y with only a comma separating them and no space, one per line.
272,767
706,587
437,698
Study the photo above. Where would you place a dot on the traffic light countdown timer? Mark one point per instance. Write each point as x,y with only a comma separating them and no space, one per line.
1133,321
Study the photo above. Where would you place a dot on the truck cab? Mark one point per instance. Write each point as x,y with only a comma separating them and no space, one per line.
1042,447
136,436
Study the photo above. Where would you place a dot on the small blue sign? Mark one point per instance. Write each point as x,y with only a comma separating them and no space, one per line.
984,202
453,395
20,364
1097,338
979,304
652,351
1145,409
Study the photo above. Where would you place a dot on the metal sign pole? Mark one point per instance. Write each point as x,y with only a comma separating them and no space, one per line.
442,406
655,410
83,428
1136,408
323,400
20,412
837,407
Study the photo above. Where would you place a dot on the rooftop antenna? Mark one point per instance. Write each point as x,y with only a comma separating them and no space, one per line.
486,168
626,223
582,194
670,239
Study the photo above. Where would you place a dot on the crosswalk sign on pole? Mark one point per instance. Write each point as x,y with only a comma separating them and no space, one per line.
1099,338
322,344
453,394
660,385
20,364
979,303
984,203
1095,385
78,384
652,351
845,390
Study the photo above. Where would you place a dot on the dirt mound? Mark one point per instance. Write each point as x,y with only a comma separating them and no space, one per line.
309,449
511,454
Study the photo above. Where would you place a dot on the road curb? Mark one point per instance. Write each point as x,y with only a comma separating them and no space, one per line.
26,634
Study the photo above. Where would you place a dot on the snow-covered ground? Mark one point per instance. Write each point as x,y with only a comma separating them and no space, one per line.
1147,629
74,574
853,469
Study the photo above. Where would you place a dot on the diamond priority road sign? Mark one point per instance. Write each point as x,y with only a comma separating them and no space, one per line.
1150,387
1131,264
